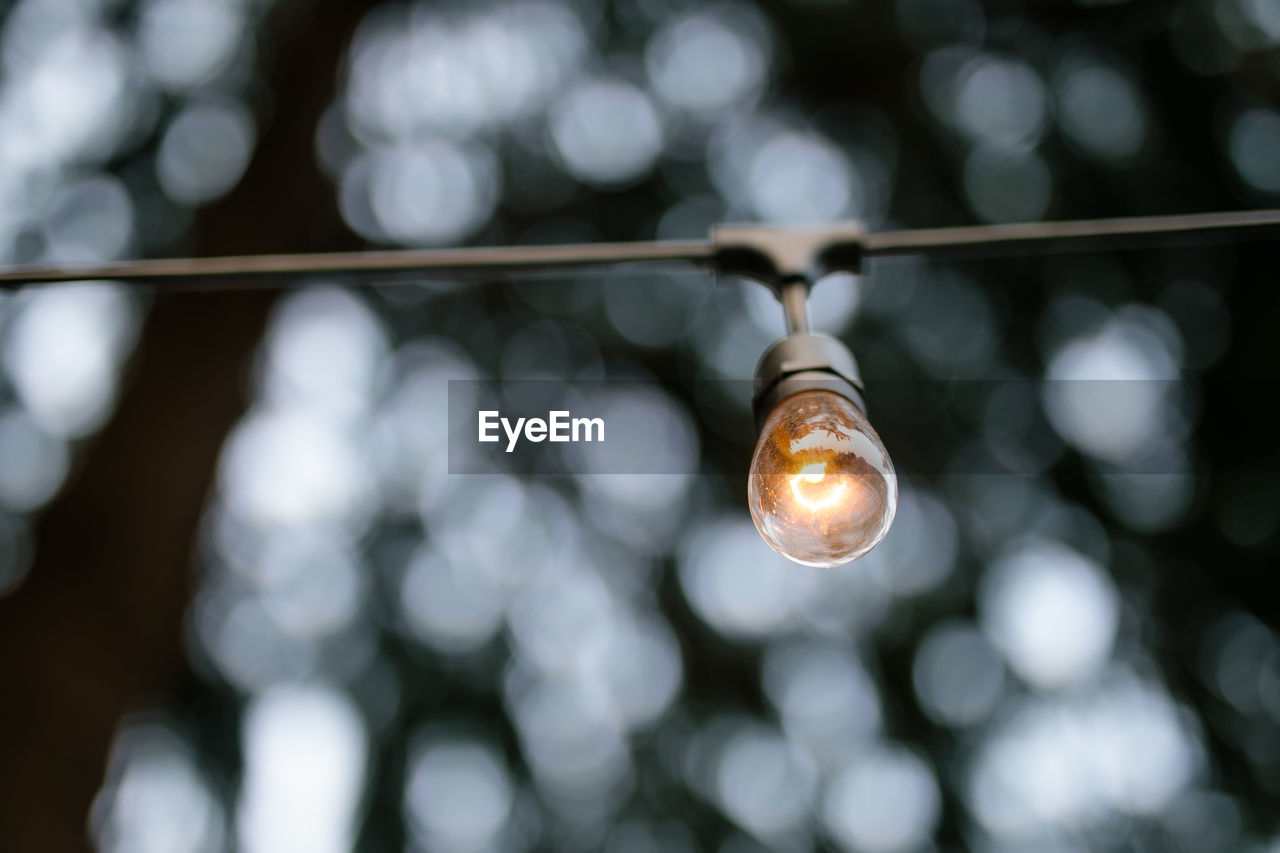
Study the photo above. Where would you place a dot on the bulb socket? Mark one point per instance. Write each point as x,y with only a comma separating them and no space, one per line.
805,362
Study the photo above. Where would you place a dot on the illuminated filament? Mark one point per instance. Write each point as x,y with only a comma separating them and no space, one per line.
825,498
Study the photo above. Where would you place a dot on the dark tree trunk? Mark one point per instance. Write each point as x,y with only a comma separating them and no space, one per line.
95,631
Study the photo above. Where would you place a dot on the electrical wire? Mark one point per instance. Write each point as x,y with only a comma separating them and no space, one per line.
1128,232
473,262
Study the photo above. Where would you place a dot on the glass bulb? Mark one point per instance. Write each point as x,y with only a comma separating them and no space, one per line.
822,490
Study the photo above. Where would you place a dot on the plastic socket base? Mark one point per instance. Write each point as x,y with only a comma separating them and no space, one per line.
805,362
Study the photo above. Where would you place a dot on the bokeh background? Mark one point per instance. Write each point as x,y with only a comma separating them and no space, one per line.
244,607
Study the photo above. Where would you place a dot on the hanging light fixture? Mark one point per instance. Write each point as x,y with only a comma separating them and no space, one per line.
822,489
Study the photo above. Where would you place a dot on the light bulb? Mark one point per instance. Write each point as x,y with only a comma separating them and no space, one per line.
822,490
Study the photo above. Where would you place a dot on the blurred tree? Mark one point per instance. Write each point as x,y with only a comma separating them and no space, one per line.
96,630
963,673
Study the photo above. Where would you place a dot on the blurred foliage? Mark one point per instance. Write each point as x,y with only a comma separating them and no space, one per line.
1067,642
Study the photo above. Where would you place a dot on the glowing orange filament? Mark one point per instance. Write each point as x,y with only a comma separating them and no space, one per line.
825,498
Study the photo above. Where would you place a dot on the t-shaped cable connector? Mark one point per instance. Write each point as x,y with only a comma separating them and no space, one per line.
777,256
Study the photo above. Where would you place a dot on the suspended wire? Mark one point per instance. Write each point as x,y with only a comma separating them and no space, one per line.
472,261
258,270
1127,232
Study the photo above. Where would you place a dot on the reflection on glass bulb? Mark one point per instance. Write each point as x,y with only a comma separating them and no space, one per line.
822,490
